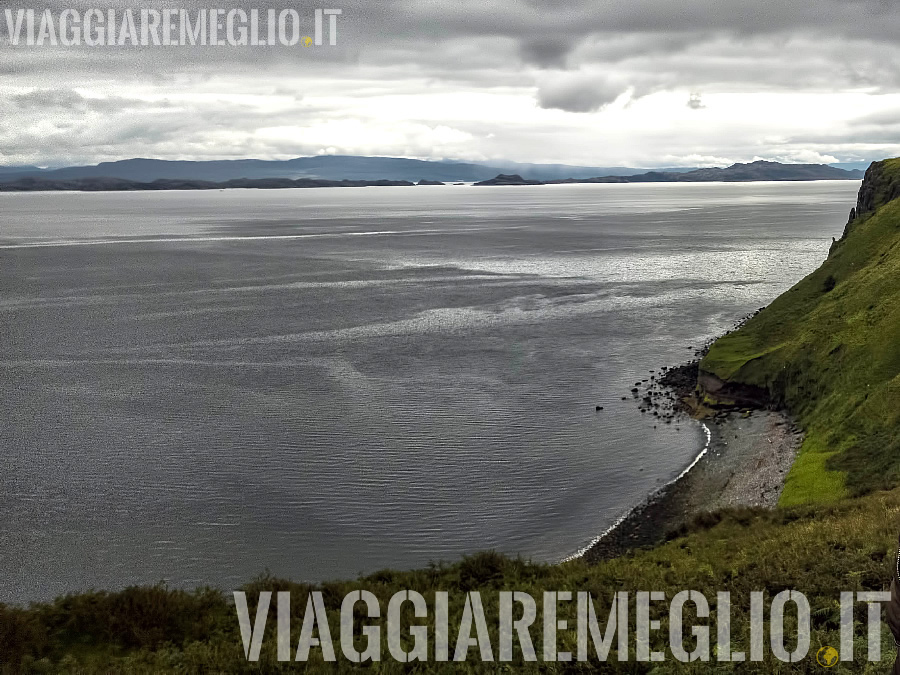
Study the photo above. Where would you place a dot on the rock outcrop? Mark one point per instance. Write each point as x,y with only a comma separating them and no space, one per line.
880,185
721,394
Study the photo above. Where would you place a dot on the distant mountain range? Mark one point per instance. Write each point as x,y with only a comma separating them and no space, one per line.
323,167
762,170
340,171
39,184
755,171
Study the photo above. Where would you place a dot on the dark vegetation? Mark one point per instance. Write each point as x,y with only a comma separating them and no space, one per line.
820,550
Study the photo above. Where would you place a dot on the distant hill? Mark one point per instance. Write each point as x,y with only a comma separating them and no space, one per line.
325,167
18,169
762,170
557,171
41,184
755,171
509,179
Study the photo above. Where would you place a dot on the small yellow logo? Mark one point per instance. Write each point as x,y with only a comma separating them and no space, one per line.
307,41
827,657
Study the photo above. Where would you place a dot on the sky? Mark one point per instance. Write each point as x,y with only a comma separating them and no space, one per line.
643,83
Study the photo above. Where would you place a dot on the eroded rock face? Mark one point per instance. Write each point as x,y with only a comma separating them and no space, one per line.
730,394
880,186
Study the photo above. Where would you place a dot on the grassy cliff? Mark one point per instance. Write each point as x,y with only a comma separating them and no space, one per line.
829,350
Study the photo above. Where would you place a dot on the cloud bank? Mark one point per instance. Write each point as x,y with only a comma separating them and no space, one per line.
643,83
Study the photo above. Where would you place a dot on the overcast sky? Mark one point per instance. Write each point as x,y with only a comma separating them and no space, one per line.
604,83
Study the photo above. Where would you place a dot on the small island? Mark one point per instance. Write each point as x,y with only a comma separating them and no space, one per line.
510,179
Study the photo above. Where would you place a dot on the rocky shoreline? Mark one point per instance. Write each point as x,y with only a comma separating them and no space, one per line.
746,460
744,464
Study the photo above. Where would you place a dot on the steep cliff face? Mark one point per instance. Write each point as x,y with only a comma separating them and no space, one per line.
880,185
829,350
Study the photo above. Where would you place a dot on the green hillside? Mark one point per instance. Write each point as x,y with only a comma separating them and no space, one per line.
828,349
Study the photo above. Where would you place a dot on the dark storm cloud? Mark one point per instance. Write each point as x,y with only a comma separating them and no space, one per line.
646,42
545,34
578,93
528,21
546,31
546,52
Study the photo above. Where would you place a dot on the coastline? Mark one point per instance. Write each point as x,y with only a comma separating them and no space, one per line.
744,464
745,461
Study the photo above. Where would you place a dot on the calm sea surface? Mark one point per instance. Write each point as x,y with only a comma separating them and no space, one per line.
199,386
